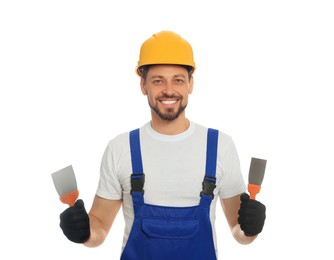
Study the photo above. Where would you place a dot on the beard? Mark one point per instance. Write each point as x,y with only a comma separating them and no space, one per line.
169,114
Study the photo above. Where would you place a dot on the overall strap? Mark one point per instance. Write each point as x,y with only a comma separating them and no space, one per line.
137,165
209,182
211,153
137,176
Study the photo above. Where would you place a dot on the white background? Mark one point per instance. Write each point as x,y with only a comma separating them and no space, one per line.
67,86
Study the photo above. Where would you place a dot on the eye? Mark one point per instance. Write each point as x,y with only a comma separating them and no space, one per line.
179,81
157,81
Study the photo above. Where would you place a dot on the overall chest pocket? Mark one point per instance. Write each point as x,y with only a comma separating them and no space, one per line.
170,229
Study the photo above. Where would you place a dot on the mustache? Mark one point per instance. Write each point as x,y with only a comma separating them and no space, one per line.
169,96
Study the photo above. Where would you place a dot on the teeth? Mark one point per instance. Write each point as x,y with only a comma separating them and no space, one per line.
168,102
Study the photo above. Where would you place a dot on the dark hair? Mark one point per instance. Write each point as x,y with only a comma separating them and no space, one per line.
145,68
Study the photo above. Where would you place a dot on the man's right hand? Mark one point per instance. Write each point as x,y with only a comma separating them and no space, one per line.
74,222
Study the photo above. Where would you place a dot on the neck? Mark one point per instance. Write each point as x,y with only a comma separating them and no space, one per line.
173,127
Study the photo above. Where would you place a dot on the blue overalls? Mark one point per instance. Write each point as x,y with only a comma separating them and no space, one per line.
171,233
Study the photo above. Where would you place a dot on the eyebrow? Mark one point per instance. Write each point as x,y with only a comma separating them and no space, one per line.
157,77
179,75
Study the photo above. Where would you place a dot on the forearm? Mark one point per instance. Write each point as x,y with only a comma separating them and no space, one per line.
101,218
97,233
240,236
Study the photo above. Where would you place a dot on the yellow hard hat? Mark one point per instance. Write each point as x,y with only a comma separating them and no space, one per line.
165,47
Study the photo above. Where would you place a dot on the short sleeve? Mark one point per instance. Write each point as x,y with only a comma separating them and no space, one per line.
109,186
232,181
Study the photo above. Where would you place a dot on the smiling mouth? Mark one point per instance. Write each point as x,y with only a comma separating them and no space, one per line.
168,99
168,102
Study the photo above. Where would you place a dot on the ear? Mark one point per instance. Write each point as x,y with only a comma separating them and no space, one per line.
191,84
142,86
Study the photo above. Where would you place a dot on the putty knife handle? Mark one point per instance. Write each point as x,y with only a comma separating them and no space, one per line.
70,198
253,189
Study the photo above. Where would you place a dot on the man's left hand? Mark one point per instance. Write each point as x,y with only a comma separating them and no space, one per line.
252,215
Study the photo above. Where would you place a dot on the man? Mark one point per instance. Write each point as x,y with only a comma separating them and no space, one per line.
169,174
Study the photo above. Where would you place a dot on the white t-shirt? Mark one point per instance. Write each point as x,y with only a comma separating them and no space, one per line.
174,167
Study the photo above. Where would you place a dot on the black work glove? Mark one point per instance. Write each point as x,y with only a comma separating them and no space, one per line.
252,215
74,222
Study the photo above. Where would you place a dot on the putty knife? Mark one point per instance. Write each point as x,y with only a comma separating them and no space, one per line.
66,185
255,177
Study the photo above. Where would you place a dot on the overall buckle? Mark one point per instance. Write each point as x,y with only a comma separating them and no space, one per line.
137,182
208,186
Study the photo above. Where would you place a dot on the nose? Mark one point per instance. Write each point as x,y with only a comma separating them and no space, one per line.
168,88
